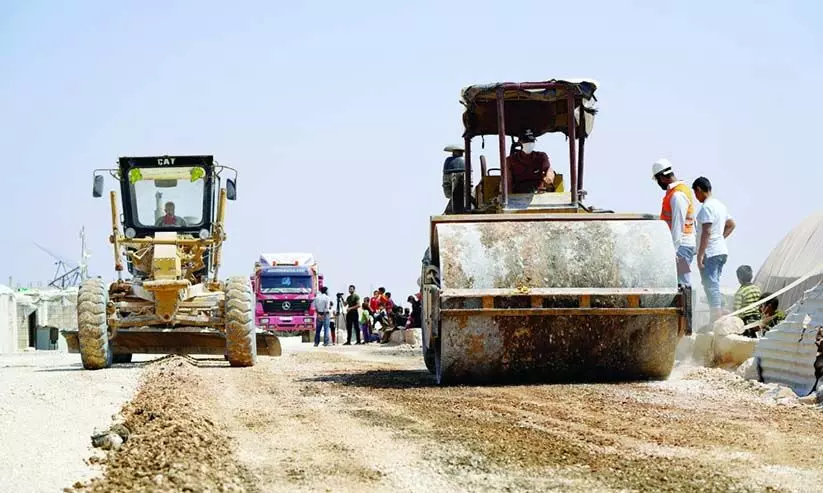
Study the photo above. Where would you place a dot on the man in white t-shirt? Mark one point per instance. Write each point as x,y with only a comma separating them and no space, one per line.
322,305
714,225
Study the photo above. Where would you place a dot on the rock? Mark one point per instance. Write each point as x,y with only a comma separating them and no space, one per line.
780,392
727,325
748,370
99,437
414,337
107,440
121,430
114,442
397,337
812,399
732,350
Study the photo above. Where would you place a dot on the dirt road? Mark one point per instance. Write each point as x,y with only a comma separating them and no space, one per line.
371,419
48,408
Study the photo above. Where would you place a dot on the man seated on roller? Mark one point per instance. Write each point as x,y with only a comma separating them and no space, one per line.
529,170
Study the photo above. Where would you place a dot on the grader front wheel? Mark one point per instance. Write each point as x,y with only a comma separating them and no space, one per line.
241,340
93,334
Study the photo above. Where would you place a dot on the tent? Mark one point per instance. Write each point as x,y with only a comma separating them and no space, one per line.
799,253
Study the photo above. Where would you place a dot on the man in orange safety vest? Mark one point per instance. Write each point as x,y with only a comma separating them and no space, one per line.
678,212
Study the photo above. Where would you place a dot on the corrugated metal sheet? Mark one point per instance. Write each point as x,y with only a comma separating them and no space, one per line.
787,353
797,254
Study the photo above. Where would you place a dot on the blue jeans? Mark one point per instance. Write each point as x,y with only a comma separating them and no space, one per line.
687,254
710,275
322,321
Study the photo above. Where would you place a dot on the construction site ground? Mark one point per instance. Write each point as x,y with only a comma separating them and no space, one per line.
370,418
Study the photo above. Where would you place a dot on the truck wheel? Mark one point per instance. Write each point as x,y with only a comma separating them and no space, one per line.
93,330
241,337
122,358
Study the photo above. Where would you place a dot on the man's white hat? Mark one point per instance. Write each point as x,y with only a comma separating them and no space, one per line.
661,166
452,148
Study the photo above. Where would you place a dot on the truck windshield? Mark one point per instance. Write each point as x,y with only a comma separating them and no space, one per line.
285,284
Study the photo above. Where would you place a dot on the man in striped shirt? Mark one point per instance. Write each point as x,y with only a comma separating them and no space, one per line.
747,294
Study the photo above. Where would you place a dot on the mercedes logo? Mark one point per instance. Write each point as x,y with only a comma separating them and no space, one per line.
286,305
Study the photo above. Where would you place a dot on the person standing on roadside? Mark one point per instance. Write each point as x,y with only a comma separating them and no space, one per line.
352,316
365,322
322,305
714,225
678,212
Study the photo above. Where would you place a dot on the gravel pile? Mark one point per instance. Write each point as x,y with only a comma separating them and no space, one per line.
172,444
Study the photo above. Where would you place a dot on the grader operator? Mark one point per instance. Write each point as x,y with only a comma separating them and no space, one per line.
174,302
521,280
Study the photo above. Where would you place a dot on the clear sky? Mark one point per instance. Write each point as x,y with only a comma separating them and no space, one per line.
336,113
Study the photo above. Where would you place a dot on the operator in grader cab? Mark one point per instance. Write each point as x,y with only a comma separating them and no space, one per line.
529,171
170,219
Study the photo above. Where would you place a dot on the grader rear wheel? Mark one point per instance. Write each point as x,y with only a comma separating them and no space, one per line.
93,333
241,340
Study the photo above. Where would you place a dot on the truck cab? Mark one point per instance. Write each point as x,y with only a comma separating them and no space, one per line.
285,286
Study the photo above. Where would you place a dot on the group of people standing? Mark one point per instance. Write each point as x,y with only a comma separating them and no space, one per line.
362,316
702,235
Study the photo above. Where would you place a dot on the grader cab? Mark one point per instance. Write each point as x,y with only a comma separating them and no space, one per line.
173,302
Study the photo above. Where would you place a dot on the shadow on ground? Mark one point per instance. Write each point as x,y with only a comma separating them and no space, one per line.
379,379
198,362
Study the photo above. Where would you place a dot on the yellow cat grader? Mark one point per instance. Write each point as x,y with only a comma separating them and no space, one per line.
537,286
174,303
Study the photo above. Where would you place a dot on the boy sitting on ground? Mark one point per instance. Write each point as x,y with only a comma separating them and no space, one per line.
746,295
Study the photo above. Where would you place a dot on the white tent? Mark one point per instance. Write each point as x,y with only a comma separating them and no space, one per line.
799,253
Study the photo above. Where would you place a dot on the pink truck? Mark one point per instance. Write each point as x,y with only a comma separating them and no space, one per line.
285,285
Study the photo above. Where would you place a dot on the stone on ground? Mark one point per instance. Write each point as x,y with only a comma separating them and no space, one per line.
748,370
727,325
414,337
732,350
397,337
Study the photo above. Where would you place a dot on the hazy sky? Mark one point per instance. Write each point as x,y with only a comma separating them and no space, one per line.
336,113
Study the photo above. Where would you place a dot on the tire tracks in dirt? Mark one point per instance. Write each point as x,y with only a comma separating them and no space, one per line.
364,419
298,435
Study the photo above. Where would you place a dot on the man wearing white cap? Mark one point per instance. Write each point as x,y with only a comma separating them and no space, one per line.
678,212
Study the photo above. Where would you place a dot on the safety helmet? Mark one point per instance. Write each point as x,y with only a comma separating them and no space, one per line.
661,167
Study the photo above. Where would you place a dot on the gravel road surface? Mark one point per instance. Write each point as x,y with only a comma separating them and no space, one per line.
369,418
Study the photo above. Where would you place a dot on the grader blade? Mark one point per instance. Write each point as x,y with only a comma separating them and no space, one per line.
166,341
555,298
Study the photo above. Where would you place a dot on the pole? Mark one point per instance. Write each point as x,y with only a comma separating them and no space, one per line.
572,153
501,138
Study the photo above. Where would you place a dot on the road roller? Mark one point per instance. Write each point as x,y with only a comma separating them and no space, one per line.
524,282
